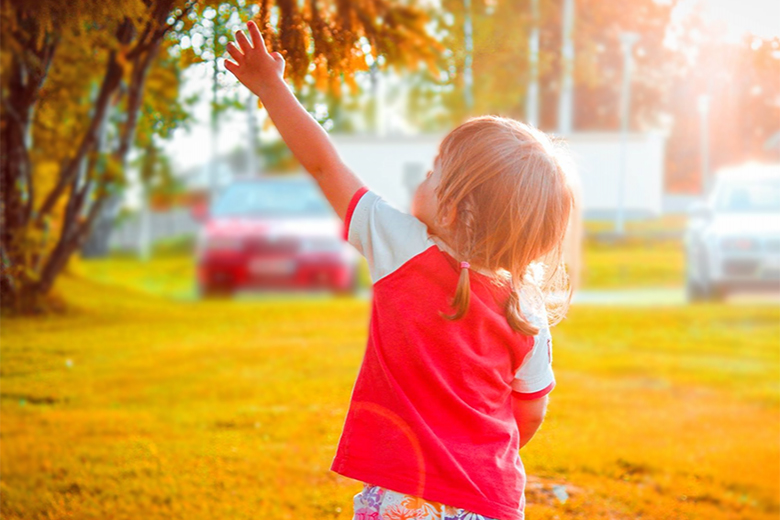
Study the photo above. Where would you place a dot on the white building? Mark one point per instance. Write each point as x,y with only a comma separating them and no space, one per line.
394,165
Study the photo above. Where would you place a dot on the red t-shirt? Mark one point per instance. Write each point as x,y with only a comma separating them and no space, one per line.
431,410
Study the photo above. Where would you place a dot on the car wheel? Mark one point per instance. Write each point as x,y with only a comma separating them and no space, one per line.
705,289
718,292
205,291
352,288
694,291
210,291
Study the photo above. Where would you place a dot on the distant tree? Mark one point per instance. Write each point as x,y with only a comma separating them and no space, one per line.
501,57
741,80
599,64
675,62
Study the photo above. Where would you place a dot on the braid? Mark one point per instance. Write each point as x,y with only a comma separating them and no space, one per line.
466,235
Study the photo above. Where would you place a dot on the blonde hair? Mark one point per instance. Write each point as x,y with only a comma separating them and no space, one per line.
508,184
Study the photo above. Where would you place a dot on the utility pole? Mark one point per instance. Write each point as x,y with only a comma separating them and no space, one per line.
627,41
253,165
378,96
532,95
565,100
214,121
468,79
704,133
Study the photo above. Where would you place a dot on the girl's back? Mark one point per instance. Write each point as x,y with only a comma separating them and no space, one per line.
431,414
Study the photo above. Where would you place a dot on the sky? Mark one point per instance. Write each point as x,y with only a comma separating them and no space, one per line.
761,17
193,147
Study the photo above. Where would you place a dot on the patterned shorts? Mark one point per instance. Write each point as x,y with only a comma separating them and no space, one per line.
378,503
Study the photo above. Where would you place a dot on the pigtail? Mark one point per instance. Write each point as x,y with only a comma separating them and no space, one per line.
462,294
466,234
514,314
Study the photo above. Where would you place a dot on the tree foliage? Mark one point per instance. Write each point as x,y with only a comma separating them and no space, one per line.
84,82
740,80
73,82
678,58
501,62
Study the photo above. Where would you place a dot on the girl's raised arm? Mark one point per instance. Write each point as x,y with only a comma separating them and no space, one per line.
262,73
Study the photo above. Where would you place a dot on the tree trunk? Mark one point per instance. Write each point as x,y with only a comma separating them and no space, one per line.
14,165
25,80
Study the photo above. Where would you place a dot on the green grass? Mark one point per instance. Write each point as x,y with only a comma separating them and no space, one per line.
639,260
133,405
170,274
632,263
672,223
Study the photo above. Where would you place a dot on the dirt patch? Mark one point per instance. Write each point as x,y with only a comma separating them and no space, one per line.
540,490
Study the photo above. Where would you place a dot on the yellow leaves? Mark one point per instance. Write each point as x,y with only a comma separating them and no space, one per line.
339,32
113,170
349,79
123,62
188,57
334,85
320,73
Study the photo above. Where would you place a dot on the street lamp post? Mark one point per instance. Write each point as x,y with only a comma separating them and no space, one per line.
468,36
252,163
532,97
704,113
566,98
627,41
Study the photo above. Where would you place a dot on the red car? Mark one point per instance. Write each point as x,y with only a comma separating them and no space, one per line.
274,233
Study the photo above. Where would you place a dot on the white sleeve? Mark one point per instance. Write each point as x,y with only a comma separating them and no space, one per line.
535,378
386,236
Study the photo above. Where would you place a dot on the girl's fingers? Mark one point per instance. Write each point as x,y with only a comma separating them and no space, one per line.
231,67
235,53
257,38
243,41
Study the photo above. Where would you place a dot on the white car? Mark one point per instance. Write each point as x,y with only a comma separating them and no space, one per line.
732,241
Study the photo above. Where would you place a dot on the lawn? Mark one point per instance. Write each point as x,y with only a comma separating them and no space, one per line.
633,264
627,264
132,405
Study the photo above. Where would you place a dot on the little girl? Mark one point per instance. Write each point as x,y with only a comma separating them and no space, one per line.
457,369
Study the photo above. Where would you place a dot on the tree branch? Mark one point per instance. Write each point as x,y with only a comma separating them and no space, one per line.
143,45
110,83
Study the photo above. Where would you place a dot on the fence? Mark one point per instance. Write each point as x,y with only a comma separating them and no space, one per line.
128,235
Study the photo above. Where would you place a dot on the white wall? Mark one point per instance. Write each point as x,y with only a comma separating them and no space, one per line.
391,165
597,156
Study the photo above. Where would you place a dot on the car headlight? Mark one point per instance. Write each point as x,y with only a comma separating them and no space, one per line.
738,244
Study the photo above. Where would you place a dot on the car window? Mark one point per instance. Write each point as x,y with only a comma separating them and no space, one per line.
755,196
286,198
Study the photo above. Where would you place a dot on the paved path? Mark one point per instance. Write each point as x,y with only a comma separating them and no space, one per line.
659,297
653,297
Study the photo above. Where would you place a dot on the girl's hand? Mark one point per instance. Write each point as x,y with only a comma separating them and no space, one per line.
254,66
262,73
